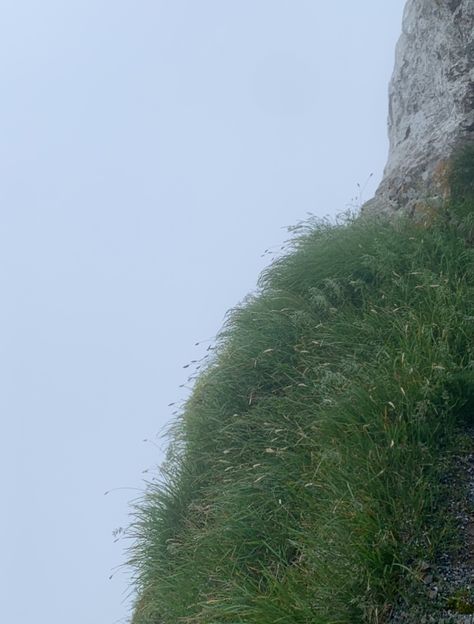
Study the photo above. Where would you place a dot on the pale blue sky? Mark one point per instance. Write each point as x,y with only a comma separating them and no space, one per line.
150,151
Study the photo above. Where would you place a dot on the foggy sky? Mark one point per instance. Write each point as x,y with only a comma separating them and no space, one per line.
150,152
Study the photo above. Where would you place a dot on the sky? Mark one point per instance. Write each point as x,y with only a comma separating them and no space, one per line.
150,152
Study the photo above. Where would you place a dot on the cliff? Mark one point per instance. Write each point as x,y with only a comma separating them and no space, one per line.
431,104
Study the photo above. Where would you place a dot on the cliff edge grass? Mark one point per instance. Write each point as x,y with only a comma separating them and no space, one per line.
303,481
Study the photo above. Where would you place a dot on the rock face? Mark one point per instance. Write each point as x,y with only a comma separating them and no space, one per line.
431,104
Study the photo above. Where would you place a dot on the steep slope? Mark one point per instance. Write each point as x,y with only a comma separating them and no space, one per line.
304,477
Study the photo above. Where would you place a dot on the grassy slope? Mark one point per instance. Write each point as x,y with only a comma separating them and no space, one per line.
302,475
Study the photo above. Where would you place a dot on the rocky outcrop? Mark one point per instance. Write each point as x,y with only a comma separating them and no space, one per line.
431,104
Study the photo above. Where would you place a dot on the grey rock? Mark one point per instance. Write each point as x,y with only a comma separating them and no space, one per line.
433,593
431,104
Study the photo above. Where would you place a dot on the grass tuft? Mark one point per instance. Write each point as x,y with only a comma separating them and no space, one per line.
302,480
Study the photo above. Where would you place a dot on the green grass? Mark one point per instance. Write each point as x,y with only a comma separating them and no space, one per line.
302,481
